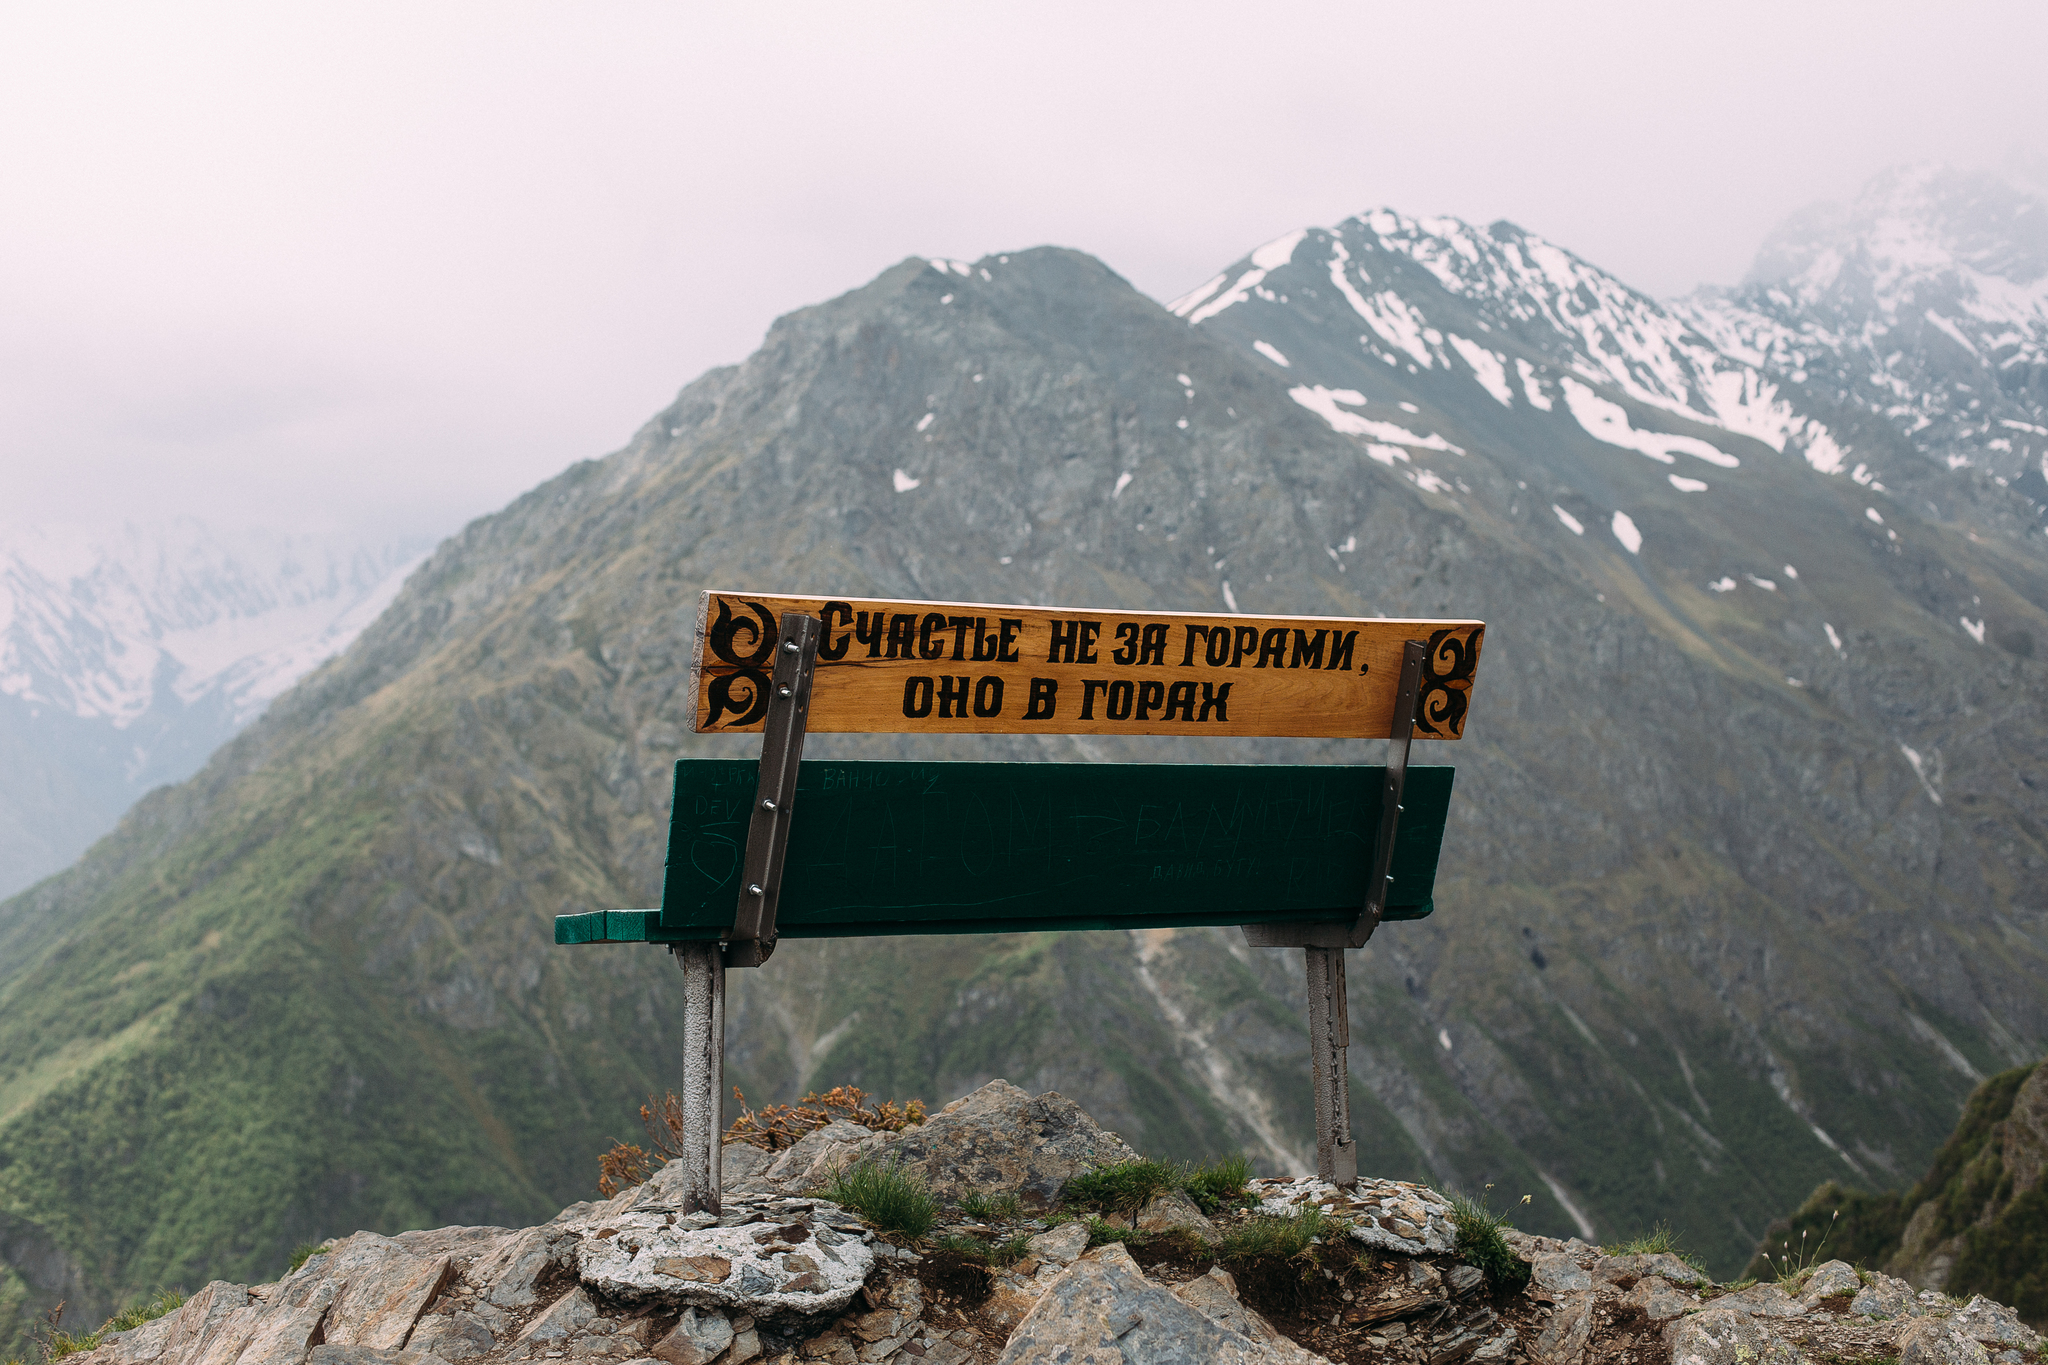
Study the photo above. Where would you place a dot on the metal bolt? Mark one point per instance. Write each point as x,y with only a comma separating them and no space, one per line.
754,889
784,692
790,646
766,804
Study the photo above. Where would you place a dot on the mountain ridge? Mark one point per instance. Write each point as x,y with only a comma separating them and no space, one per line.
1699,900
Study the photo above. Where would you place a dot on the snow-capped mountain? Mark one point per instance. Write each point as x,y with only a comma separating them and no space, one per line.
1924,304
1544,324
127,656
1900,339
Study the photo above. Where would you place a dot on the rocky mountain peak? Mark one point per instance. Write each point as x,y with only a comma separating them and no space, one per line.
1909,224
1919,308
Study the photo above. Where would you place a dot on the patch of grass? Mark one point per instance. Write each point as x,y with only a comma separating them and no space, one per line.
149,1310
1101,1233
985,1252
56,1343
1277,1235
1122,1188
992,1207
60,1344
1659,1239
1481,1246
1218,1183
306,1251
886,1197
1279,1259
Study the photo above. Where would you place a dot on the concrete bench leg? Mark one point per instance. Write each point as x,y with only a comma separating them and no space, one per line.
703,1074
1329,1041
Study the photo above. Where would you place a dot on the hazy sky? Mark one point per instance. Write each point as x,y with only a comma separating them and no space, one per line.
384,266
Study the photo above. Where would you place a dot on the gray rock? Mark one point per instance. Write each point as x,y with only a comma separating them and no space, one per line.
1885,1297
138,1345
229,1337
1464,1279
1553,1275
564,1318
1103,1311
451,1241
1001,1140
1392,1215
1986,1321
1827,1280
1564,1337
818,1153
1763,1301
1724,1336
289,1325
1662,1264
1174,1209
507,1273
364,1355
769,1268
1498,1347
380,1289
697,1339
453,1336
1938,1341
742,1161
1215,1295
194,1324
1062,1246
1658,1300
492,1316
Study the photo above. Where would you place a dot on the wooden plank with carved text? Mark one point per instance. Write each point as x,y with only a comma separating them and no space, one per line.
983,668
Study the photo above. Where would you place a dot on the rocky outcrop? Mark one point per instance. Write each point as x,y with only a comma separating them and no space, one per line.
1964,1211
997,1138
787,1278
764,1255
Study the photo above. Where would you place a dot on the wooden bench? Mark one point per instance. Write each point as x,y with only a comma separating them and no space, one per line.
1314,856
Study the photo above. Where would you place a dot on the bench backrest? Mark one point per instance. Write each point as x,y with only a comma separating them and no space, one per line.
953,848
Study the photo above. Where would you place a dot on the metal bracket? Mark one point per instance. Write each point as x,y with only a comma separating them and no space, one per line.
1413,655
1305,934
782,746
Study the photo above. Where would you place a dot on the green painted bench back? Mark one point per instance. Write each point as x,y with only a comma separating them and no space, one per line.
988,848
